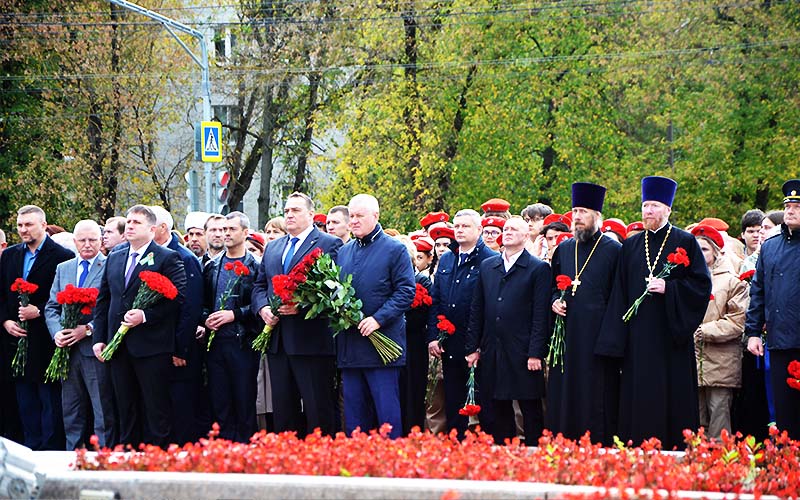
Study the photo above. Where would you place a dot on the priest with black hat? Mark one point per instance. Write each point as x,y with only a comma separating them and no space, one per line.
773,302
583,388
658,391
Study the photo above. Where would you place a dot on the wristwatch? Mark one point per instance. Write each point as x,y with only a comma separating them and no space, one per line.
89,330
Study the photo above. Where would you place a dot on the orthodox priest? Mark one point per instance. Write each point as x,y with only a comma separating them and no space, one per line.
658,391
583,388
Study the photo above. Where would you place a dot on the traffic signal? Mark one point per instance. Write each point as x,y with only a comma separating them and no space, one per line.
223,190
193,190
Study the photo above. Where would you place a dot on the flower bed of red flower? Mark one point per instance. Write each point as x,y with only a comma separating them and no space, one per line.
732,464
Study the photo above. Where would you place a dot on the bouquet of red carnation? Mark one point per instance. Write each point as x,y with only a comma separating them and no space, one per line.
154,287
239,269
470,408
794,371
556,354
421,297
675,259
25,289
747,275
75,302
283,287
446,328
320,289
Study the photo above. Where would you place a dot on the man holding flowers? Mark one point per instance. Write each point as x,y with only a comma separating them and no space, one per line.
87,388
141,367
582,391
383,279
33,260
661,288
301,352
232,363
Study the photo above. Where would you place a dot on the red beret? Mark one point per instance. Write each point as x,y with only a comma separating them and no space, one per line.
256,237
558,218
423,244
718,224
322,218
710,233
495,205
615,227
499,240
432,218
442,232
562,238
493,221
635,226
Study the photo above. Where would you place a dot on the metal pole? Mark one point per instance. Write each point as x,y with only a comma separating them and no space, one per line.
202,61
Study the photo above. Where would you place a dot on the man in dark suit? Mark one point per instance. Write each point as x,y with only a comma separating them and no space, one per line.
34,260
509,323
190,421
302,355
88,384
141,367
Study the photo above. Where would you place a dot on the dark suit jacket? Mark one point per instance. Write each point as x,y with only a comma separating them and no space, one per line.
157,334
42,273
298,336
66,274
510,323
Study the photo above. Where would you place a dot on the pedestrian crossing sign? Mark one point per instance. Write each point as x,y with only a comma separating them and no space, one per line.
212,146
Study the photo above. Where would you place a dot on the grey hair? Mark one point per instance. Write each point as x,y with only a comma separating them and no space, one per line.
163,217
468,212
87,224
365,200
244,220
32,209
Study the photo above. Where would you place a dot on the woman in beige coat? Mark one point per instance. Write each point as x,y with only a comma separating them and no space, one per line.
718,339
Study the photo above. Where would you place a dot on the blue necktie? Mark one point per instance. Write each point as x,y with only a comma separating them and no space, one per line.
84,273
462,257
287,262
129,273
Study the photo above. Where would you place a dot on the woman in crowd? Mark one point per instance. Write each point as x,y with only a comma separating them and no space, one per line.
274,228
718,345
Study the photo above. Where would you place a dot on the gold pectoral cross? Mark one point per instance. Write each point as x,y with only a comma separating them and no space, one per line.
575,284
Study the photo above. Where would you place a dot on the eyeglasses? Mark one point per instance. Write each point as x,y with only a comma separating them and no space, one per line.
491,233
534,219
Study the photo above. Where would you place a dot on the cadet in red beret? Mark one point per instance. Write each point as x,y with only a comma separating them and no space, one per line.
433,219
634,228
711,233
320,221
496,207
443,237
492,229
424,257
614,228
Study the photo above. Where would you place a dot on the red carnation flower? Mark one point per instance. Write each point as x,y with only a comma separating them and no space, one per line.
747,275
563,282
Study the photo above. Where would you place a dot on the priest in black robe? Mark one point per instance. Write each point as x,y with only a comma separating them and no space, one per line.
658,392
583,387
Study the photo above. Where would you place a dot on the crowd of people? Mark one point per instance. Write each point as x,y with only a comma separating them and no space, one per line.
571,322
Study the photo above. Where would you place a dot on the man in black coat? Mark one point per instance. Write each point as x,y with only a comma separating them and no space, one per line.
583,388
232,362
509,323
452,291
34,260
658,393
302,355
141,367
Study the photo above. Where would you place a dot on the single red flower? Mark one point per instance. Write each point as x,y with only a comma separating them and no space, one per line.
793,383
469,410
563,282
229,266
747,275
711,298
794,368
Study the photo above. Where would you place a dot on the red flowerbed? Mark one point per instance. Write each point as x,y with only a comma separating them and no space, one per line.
732,464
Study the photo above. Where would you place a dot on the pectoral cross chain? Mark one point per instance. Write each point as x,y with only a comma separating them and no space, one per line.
575,284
